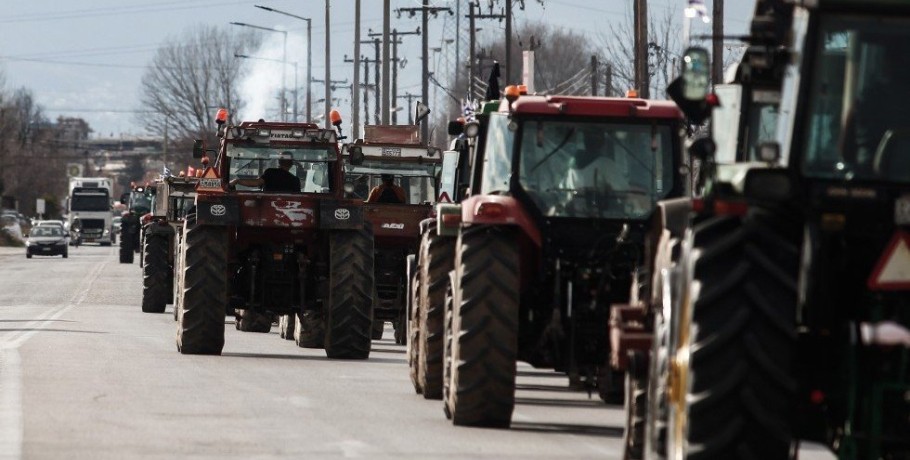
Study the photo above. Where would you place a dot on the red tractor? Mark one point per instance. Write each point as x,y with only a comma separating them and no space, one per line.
272,234
546,241
394,155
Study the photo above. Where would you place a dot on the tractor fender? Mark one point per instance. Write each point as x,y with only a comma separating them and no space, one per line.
499,210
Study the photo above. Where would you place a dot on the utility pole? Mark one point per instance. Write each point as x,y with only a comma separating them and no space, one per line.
328,67
410,97
355,88
377,83
426,10
393,63
642,79
717,68
386,61
366,87
473,66
508,80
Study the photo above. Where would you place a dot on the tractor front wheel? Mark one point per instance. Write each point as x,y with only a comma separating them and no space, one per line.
200,324
484,329
349,316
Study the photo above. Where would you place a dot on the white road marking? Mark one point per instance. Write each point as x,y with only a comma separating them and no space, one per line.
11,426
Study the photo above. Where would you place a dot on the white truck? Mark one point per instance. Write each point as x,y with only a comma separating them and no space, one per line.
89,205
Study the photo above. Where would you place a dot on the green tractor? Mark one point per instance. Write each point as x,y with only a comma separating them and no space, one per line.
139,203
788,301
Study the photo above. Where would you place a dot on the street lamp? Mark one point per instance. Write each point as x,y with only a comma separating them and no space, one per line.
244,56
284,104
309,55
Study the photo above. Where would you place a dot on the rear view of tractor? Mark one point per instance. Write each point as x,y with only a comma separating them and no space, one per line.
273,235
791,293
173,198
396,174
139,203
547,240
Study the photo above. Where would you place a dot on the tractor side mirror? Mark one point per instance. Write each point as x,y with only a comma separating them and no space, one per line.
198,148
695,74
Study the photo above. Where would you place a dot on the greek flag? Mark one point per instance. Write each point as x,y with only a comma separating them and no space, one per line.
165,172
468,109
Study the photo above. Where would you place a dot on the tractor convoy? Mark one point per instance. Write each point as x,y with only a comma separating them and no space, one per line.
740,293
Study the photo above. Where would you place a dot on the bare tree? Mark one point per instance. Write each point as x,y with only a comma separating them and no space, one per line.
617,43
189,77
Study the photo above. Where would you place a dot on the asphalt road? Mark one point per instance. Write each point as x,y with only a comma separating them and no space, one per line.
85,374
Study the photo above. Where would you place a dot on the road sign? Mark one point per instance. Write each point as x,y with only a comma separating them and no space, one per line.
39,206
892,272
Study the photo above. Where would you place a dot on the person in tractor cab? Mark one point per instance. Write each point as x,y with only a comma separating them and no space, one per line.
278,179
387,192
595,165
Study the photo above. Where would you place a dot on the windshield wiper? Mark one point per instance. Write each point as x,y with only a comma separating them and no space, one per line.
561,145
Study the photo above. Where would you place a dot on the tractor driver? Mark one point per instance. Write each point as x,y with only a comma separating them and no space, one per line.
387,192
278,179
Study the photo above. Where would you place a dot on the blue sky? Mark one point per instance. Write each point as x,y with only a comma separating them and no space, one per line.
86,57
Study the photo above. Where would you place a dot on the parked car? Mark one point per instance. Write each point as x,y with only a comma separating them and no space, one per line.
46,240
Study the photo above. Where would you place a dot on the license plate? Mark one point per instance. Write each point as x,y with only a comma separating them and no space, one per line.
88,240
902,210
45,249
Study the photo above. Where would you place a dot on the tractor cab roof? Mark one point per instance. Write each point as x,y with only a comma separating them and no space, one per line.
592,107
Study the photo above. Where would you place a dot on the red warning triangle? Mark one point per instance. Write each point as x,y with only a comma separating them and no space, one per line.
444,198
210,173
892,272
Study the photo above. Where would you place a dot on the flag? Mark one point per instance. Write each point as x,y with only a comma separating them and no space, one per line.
493,84
165,172
697,8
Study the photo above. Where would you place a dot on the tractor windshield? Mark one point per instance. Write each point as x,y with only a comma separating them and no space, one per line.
310,164
858,126
417,179
595,169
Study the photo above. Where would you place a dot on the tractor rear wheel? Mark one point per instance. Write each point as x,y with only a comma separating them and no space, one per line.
309,329
156,274
484,329
378,329
286,326
437,261
200,325
177,281
126,249
349,316
635,406
739,384
413,327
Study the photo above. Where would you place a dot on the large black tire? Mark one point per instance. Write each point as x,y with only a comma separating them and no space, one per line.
740,384
413,328
349,316
178,273
437,259
156,274
484,329
378,329
658,380
309,330
252,321
126,249
635,406
200,324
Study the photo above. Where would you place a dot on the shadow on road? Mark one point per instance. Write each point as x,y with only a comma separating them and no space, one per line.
311,358
554,388
561,428
541,374
592,403
39,329
38,320
387,350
